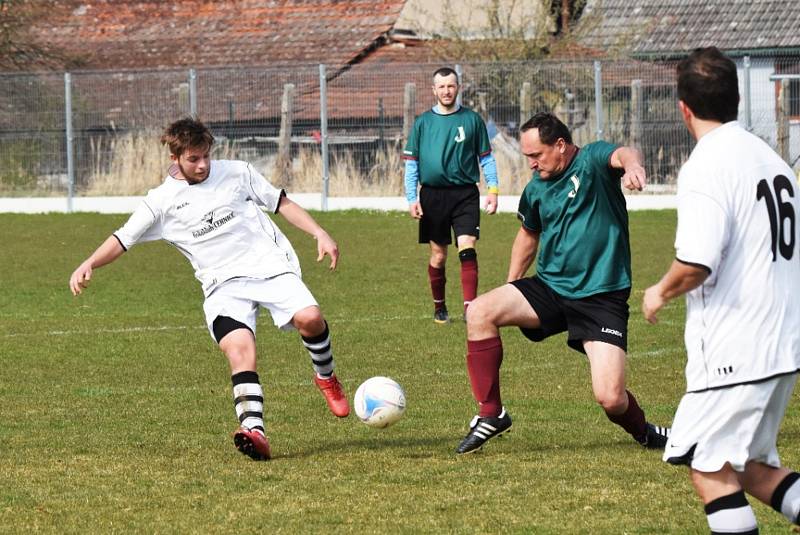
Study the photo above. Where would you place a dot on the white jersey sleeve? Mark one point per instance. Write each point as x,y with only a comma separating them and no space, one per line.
703,226
264,193
143,225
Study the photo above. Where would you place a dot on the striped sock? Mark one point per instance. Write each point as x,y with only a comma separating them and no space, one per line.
248,400
731,514
319,348
786,497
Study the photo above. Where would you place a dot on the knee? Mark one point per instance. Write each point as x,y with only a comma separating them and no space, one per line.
240,354
438,258
309,321
479,314
612,401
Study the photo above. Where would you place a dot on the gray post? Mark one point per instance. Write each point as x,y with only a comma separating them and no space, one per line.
284,159
783,120
409,105
323,120
460,78
748,113
193,93
636,113
70,148
524,103
598,98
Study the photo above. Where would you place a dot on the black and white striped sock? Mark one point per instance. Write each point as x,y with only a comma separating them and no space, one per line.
248,400
731,514
786,497
319,348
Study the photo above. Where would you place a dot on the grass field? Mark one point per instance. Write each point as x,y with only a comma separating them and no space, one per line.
116,410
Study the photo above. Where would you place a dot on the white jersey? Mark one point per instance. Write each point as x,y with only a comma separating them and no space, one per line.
739,216
217,224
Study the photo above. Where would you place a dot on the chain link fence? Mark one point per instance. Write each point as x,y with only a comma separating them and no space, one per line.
312,128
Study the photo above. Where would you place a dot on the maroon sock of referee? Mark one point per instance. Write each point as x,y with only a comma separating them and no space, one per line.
632,420
483,364
438,281
469,275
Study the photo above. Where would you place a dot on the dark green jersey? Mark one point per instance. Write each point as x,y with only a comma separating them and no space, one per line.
584,247
448,147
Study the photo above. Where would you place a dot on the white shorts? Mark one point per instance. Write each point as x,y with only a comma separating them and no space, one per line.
730,425
283,295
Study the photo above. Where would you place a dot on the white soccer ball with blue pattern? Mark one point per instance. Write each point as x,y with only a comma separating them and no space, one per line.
379,402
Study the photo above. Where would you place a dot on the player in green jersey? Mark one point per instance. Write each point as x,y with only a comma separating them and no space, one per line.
443,152
573,214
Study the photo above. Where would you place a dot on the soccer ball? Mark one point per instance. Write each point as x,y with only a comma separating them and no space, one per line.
379,402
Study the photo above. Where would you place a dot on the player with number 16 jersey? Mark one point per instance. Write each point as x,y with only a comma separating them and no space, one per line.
738,217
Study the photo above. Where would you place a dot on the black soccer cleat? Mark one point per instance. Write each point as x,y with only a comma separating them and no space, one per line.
655,437
482,429
441,316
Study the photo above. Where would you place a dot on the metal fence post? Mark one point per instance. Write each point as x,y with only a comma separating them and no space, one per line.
70,147
459,79
598,98
748,113
323,127
193,93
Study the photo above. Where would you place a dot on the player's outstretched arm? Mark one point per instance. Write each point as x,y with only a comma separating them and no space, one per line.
680,278
630,160
523,251
108,251
297,216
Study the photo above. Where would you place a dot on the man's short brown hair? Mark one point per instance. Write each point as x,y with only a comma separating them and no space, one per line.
186,133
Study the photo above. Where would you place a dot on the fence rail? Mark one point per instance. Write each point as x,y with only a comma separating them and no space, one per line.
341,132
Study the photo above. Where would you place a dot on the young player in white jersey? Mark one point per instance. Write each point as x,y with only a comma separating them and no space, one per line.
211,212
738,262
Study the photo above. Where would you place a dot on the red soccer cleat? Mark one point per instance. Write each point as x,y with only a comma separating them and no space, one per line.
252,443
334,395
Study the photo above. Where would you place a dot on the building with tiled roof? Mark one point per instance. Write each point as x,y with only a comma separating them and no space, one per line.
669,28
118,34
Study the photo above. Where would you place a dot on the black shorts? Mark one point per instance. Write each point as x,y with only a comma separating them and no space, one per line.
442,208
601,317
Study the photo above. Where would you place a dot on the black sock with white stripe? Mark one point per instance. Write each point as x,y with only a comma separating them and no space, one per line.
248,400
319,348
731,514
786,497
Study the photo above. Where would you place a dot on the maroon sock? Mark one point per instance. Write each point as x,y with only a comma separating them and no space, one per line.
438,280
469,280
483,364
632,420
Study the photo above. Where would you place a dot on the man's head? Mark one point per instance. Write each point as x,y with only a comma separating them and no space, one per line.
445,87
708,86
189,143
547,144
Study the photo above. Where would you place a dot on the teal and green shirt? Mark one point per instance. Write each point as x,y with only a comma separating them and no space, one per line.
448,147
584,245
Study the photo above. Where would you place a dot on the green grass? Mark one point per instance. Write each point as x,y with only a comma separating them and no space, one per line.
116,411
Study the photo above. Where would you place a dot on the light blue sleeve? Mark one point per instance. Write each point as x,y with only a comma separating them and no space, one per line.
489,166
411,179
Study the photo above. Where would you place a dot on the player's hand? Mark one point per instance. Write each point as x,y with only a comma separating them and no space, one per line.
634,178
326,246
491,203
652,303
80,278
415,209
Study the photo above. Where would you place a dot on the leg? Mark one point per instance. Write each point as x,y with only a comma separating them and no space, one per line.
777,487
469,268
438,281
239,347
607,365
313,329
500,307
726,506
